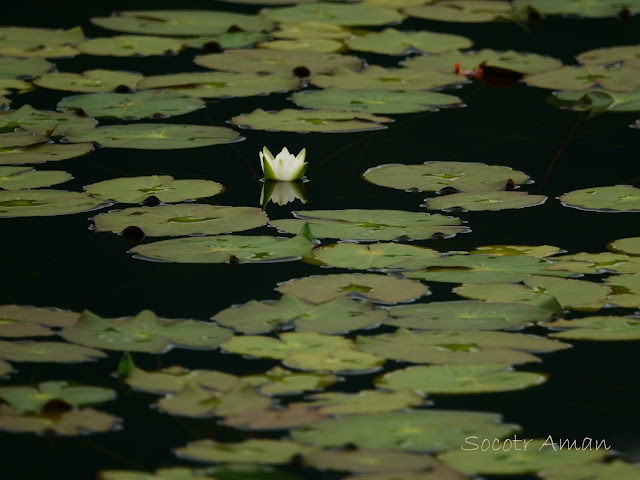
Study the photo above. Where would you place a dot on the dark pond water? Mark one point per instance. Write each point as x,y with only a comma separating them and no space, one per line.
59,261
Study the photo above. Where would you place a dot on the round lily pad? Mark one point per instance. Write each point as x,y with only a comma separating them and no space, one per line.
434,176
394,42
538,251
381,288
492,201
44,152
509,293
620,198
597,263
570,293
623,79
304,121
227,40
338,14
341,360
155,136
598,328
18,321
278,381
18,178
365,401
592,9
368,256
23,67
130,45
610,55
34,203
173,379
459,379
164,187
5,368
91,81
39,42
374,101
625,290
225,248
304,30
294,415
323,45
475,11
44,123
71,423
629,245
20,138
58,352
250,451
368,460
132,106
31,399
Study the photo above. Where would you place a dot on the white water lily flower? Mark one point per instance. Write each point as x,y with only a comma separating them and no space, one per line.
284,167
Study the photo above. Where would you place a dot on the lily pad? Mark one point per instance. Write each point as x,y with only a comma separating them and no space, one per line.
434,176
8,84
368,460
597,263
266,451
293,415
625,290
374,101
17,321
278,381
180,22
19,138
583,8
475,11
34,203
598,328
182,219
43,123
18,178
143,333
39,42
380,288
222,84
5,368
58,352
629,245
610,55
43,152
276,61
130,45
623,79
571,294
596,101
620,198
303,30
323,45
175,378
226,40
509,293
394,42
132,106
71,423
593,471
410,431
363,402
303,121
369,256
539,454
537,251
91,81
155,136
492,201
466,315
23,67
30,399
337,14
341,360
459,379
164,187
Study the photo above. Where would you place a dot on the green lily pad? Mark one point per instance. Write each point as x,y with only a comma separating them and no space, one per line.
276,61
373,101
130,45
571,294
18,139
132,106
475,11
623,79
322,45
5,368
466,315
597,263
434,176
625,290
34,203
583,8
363,402
596,101
164,187
335,316
342,360
369,256
18,178
410,431
538,454
41,122
226,40
304,121
271,452
23,67
175,378
629,245
371,225
537,251
182,219
620,198
222,248
43,152
509,293
394,42
459,379
278,381
8,84
222,84
58,352
180,22
492,201
91,81
30,399
379,78
17,321
337,14
302,30
380,288
593,471
526,63
293,415
71,423
155,136
598,328
368,460
39,42
610,55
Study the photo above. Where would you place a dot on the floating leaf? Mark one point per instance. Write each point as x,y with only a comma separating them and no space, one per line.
31,399
629,245
302,30
571,294
411,431
583,8
307,45
220,248
459,379
368,256
164,187
72,423
620,198
491,201
130,45
34,203
434,176
41,122
597,263
23,67
623,79
8,84
278,381
225,40
365,401
538,251
394,42
381,288
598,328
466,315
303,121
58,352
18,178
47,152
475,11
368,460
293,415
509,293
133,105
342,360
625,289
19,138
267,451
610,55
535,455
5,368
39,42
593,471
16,321
173,379
373,101
91,81
155,136
337,14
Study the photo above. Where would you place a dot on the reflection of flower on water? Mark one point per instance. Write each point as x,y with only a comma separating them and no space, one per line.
282,193
284,167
